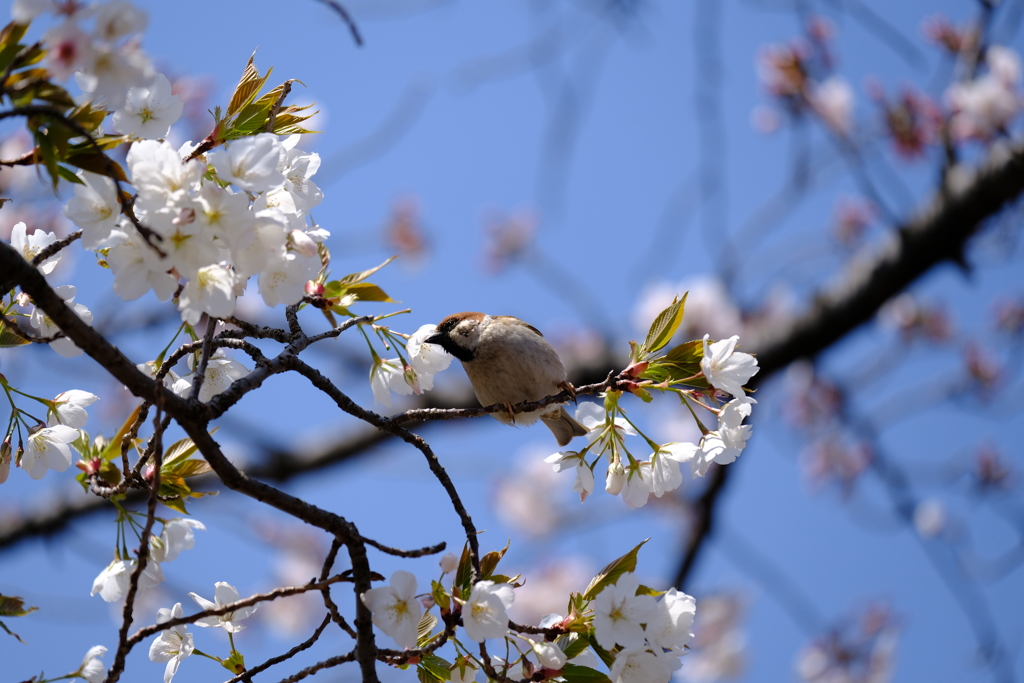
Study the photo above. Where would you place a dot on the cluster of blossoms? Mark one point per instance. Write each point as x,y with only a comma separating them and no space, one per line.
798,77
726,370
178,534
790,75
414,374
106,60
175,644
49,445
640,637
213,236
985,106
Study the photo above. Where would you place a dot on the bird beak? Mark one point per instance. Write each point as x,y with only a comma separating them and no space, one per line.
433,339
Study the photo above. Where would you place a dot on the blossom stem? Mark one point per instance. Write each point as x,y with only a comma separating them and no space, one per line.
686,402
160,357
197,651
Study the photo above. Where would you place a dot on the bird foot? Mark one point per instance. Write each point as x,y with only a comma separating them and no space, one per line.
567,386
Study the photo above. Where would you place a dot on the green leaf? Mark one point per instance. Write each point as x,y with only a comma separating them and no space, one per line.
333,289
573,645
68,175
359,277
87,116
9,47
465,570
664,327
179,450
177,504
248,85
573,673
364,291
647,590
427,623
8,339
13,606
681,363
113,447
190,468
95,162
435,667
610,574
489,562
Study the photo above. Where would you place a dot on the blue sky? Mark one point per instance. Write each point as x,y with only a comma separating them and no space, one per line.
470,150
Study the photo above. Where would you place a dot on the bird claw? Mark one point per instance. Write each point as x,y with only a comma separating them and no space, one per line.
508,411
567,386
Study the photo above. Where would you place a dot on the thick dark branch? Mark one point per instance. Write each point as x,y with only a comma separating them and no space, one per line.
19,271
938,233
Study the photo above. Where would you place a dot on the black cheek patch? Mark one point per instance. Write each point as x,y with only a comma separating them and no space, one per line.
460,352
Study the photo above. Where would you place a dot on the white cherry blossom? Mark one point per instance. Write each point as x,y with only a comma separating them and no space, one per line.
69,408
92,669
137,268
5,461
725,368
112,583
672,621
220,373
211,291
24,11
833,101
548,654
149,110
733,432
178,534
395,609
30,245
449,563
116,19
427,359
173,644
160,176
665,473
283,280
222,212
615,478
619,613
463,671
251,163
298,168
40,321
484,614
95,208
381,375
584,482
640,665
637,489
225,594
68,49
112,71
48,449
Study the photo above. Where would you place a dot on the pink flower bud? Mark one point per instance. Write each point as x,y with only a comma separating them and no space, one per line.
314,288
427,601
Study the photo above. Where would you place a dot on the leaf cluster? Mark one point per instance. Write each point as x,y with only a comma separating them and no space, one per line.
249,113
60,128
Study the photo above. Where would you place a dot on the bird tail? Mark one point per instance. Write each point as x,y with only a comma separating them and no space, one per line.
563,426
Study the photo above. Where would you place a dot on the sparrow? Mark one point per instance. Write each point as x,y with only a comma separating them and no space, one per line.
509,362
